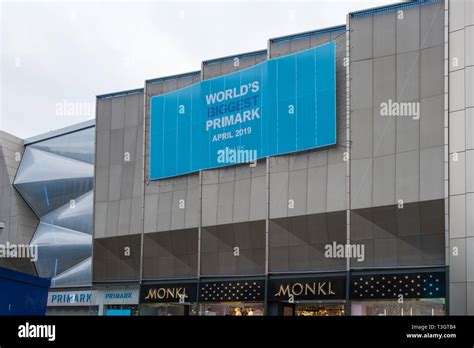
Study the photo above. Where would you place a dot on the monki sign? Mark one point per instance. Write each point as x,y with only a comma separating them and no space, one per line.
298,289
176,292
319,288
166,293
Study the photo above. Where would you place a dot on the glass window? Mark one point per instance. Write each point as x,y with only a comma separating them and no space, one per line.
393,307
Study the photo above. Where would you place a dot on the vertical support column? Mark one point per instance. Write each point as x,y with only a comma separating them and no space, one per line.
267,230
459,34
348,161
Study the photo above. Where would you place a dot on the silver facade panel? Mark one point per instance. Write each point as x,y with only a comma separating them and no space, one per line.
361,38
408,30
408,176
361,183
384,180
384,26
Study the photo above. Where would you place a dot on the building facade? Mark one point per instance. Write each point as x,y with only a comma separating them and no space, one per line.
379,223
251,239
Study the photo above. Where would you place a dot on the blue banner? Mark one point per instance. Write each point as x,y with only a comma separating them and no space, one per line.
283,105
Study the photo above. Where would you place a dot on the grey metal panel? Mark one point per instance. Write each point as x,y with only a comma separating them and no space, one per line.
408,133
319,39
100,219
112,219
432,24
408,76
384,38
457,298
164,211
103,148
116,146
279,194
118,113
258,204
408,30
361,86
130,143
384,180
456,90
470,214
131,109
384,80
298,183
470,86
115,177
408,176
299,161
226,174
279,164
469,46
470,171
456,50
280,48
457,174
178,214
136,219
469,13
192,206
385,252
384,134
433,248
241,200
299,44
457,136
456,15
457,263
151,216
126,190
409,251
361,183
361,38
457,216
101,186
432,72
470,259
432,173
104,107
210,177
225,203
317,159
470,297
432,121
124,217
336,191
209,204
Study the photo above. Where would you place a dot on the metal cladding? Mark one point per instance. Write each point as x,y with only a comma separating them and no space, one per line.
55,178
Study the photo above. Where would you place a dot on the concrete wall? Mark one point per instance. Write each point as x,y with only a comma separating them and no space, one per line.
20,221
460,75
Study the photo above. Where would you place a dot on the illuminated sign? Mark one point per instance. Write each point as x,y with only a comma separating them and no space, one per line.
280,106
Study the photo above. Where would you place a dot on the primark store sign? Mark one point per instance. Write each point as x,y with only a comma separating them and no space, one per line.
283,105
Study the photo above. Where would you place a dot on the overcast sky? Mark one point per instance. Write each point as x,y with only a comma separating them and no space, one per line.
61,54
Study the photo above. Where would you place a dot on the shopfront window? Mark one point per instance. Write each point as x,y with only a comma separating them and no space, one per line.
394,307
320,310
168,309
231,308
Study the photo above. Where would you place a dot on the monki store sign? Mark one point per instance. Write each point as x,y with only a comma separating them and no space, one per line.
306,289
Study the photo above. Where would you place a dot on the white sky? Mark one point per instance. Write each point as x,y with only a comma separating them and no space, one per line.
57,52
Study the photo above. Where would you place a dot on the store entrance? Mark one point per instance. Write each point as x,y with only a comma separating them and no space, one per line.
312,309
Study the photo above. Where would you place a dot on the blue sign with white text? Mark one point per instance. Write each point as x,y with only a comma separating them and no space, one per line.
283,105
